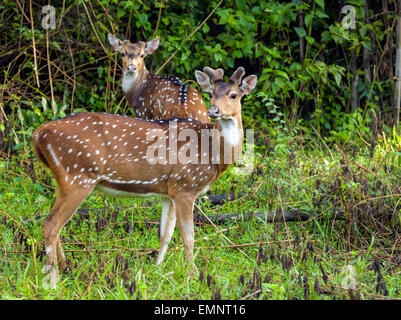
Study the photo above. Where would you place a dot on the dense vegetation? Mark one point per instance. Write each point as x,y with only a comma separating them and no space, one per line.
326,141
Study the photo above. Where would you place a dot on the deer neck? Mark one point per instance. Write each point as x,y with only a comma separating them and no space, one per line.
133,85
231,135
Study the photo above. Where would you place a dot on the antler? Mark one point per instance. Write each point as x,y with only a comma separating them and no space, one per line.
214,74
237,75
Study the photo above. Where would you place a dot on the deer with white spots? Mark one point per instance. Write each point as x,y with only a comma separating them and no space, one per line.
116,155
151,96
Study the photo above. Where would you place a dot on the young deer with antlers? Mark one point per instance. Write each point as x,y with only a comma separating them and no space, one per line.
114,154
152,96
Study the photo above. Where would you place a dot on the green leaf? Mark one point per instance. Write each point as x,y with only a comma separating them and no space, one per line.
300,31
56,45
41,199
143,18
321,14
310,40
320,3
282,74
100,71
120,13
38,187
295,66
337,76
308,19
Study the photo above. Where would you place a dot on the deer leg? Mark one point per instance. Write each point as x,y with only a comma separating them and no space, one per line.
166,228
65,206
59,250
184,211
62,262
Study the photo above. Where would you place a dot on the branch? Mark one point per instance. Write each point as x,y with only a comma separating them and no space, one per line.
192,33
269,216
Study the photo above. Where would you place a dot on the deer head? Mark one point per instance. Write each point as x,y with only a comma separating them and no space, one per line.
225,96
133,53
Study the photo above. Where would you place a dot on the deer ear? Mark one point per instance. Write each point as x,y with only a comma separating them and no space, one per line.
151,46
204,81
115,42
248,84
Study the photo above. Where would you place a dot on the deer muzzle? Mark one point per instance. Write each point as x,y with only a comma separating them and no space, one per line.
213,111
131,68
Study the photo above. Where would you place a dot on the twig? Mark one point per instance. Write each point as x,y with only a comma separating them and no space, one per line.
94,29
378,197
106,106
53,102
33,44
91,279
250,244
392,251
17,223
252,294
324,143
192,33
22,11
221,261
2,112
217,229
61,16
65,74
73,69
158,18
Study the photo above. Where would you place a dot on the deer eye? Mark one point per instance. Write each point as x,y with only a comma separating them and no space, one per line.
123,54
142,55
233,96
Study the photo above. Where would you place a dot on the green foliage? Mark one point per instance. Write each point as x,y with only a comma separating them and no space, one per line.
27,120
263,36
348,128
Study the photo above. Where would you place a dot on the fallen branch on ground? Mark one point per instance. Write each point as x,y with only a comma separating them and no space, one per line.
268,216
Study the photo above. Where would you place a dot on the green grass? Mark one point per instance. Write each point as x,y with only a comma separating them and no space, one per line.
112,250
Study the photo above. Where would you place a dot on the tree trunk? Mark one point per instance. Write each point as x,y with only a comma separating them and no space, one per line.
397,92
301,39
388,46
365,52
354,88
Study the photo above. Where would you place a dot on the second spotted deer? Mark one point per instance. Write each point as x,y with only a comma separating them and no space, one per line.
152,96
117,155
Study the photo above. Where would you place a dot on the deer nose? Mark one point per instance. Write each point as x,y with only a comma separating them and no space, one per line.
213,111
131,68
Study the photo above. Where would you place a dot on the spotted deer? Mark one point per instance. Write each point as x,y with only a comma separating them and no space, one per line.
117,155
152,96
